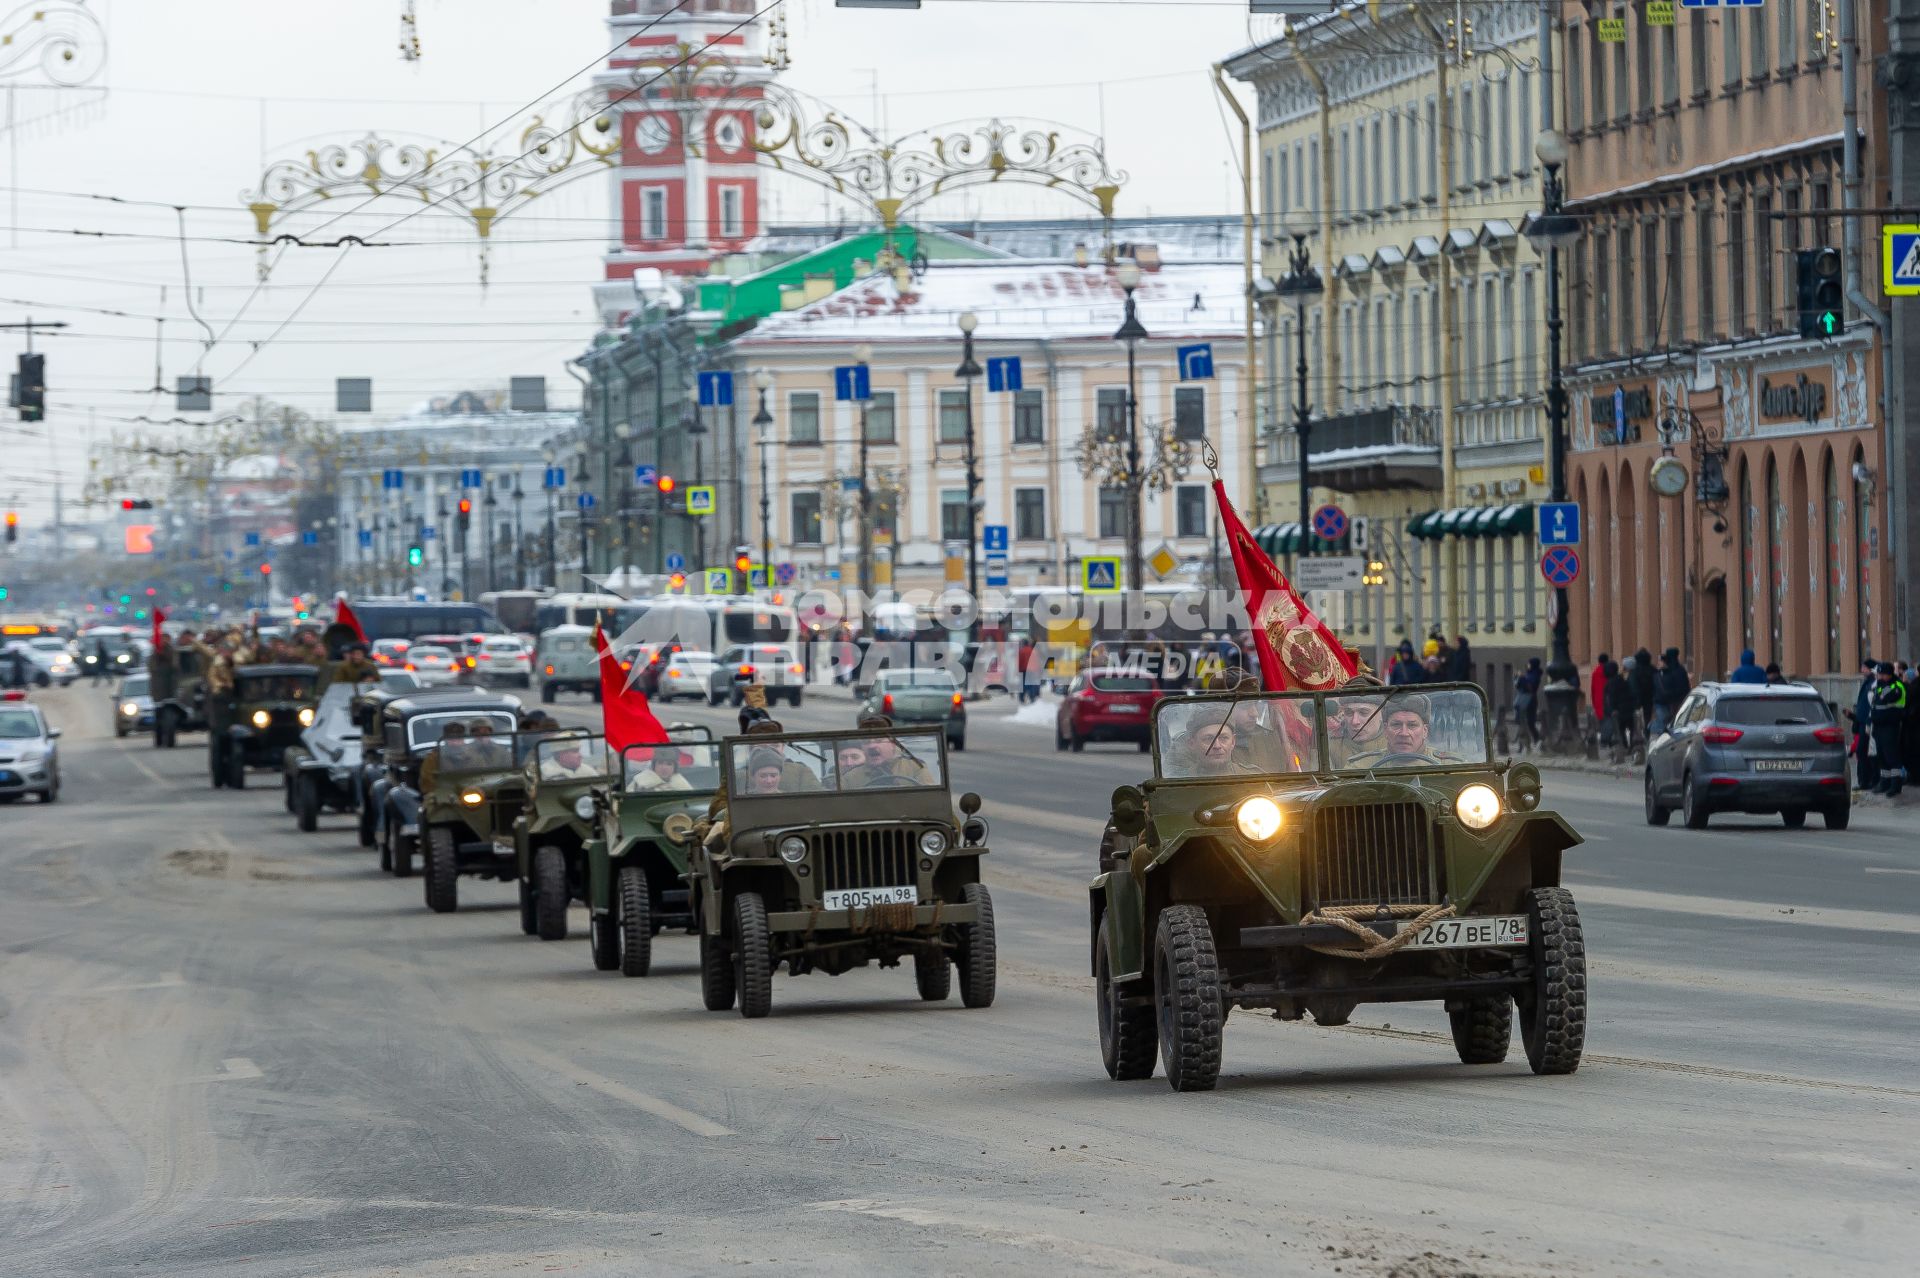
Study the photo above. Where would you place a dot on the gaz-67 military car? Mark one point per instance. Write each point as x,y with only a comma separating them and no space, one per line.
1303,853
562,771
272,705
637,862
831,851
411,730
472,790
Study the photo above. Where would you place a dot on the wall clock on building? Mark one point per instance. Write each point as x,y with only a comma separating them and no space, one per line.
1667,477
652,135
727,134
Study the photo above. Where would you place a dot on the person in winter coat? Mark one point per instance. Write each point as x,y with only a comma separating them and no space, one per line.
1405,667
1889,718
1774,674
1526,700
1910,729
1670,688
1748,671
1460,661
1642,679
1866,765
1597,688
1619,699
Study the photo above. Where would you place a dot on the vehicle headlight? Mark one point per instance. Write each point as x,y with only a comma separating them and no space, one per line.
129,709
1477,806
793,849
583,807
1258,819
306,716
933,842
261,718
472,798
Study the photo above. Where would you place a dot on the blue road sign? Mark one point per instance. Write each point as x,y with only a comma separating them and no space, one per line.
996,570
366,537
716,389
676,562
472,478
757,577
586,501
1003,373
700,499
849,483
556,477
1100,574
1559,523
784,573
993,539
393,479
252,539
852,382
645,476
1716,4
1900,250
428,532
309,538
1196,361
1330,523
1560,565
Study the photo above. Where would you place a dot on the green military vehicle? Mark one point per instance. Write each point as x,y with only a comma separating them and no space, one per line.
637,862
411,729
472,790
179,698
831,851
272,705
562,771
1303,853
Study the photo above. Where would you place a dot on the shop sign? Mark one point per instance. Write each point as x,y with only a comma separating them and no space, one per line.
1793,398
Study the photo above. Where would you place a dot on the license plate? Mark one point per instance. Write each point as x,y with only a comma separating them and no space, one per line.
1125,707
1466,934
860,898
1779,765
8,778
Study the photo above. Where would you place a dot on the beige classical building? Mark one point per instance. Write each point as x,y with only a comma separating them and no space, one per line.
1059,319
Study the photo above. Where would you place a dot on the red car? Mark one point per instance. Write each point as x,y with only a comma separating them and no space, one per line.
1106,705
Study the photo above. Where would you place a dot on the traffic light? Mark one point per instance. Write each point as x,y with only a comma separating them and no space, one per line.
466,515
13,526
1818,291
415,556
743,563
664,484
1376,573
136,503
678,581
266,570
3,594
30,388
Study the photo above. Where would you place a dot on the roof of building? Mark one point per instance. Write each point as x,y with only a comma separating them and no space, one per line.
1021,299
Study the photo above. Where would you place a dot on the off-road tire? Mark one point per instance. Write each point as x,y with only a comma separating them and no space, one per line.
1059,741
752,955
1186,994
529,921
979,957
368,825
1837,815
546,694
603,938
306,802
713,699
1657,812
1553,1014
932,975
217,765
1793,818
717,984
1482,1030
1075,742
550,897
636,923
236,769
1129,1036
441,874
397,844
795,699
1693,809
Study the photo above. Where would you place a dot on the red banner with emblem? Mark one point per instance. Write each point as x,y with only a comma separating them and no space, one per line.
1296,648
626,715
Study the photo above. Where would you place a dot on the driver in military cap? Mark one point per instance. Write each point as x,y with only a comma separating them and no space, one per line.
1403,739
885,758
353,667
1355,727
1207,747
565,760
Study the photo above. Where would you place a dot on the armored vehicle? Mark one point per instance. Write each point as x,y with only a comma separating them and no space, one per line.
1303,853
562,772
271,707
323,768
410,732
472,788
830,851
637,861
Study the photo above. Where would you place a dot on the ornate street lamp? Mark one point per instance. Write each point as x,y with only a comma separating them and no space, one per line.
1132,332
862,357
967,371
763,430
553,552
1300,283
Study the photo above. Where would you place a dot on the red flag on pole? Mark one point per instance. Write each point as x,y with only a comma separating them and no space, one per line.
159,615
625,715
1296,648
343,615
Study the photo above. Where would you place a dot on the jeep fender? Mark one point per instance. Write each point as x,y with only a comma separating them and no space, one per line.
1530,857
406,803
1115,892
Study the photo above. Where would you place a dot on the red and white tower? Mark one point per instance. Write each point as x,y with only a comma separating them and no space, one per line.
688,184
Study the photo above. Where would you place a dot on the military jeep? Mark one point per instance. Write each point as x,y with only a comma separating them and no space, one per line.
180,699
637,861
1302,853
472,790
411,729
562,771
272,705
830,851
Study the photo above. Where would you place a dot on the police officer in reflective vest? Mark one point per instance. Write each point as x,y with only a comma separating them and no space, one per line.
1889,717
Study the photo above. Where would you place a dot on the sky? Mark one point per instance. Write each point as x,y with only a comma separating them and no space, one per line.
196,97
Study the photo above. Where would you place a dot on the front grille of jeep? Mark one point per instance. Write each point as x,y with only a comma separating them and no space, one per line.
1372,854
862,858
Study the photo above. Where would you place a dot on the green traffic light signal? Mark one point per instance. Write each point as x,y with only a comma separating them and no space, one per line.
1829,323
3,594
126,599
415,557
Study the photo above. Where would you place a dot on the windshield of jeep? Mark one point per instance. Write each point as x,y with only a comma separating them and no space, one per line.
687,763
426,731
570,756
1276,733
275,687
867,761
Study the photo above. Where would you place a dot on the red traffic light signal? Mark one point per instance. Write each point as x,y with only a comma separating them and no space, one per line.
466,506
266,570
126,503
743,563
678,580
664,483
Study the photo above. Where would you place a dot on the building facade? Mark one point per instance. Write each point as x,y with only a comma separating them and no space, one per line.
1704,156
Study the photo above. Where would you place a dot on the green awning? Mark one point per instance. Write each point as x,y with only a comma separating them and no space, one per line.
1472,521
1278,539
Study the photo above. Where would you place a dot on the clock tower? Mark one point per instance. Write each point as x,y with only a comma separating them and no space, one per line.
686,78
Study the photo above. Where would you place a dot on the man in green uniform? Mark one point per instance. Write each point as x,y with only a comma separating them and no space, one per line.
354,666
885,758
1403,740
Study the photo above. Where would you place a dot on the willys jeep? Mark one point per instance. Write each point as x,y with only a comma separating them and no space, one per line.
411,730
830,851
562,772
637,862
272,705
472,790
1303,853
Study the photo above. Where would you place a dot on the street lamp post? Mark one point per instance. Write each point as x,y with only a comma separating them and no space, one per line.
862,356
696,429
519,531
967,371
1550,231
489,504
444,532
763,431
553,551
1302,282
1132,332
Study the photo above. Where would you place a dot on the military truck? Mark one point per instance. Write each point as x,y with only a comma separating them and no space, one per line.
1302,853
272,705
637,862
562,771
472,789
832,851
182,707
411,728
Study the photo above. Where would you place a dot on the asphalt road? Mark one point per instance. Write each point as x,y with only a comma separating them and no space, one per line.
229,1048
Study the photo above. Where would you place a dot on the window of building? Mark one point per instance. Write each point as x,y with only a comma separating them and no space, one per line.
1729,55
1506,127
1506,371
1395,193
1643,40
1697,53
1676,325
1623,313
1113,511
953,417
1579,298
1622,83
1669,66
1268,189
1759,68
1189,412
1378,202
1110,413
1596,83
807,522
1470,329
880,428
1596,283
1705,277
1030,514
803,417
1529,331
1030,417
1524,143
653,213
733,220
1652,304
1190,510
1739,317
955,518
1433,152
1576,79
1313,177
1300,199
1764,300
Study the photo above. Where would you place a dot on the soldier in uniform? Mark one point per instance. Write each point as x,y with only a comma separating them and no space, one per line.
1210,747
1403,740
1355,726
566,760
353,667
661,773
885,758
163,675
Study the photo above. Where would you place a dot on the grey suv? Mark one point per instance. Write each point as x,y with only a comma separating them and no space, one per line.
1749,748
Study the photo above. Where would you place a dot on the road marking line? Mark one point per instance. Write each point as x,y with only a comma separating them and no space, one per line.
684,1119
171,980
417,1204
1887,869
146,771
1752,911
234,1069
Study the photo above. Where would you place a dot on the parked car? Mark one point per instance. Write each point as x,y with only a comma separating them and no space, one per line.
774,666
920,697
29,755
566,662
685,673
391,652
503,659
132,705
52,659
1735,747
433,664
1106,705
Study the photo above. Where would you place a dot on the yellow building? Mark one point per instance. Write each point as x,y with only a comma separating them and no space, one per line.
1399,154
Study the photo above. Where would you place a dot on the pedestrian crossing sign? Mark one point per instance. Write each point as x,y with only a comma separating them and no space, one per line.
1100,575
700,499
719,581
1900,250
